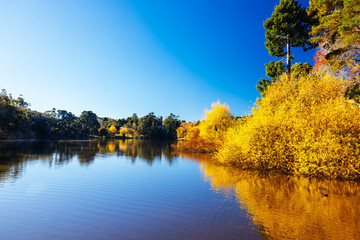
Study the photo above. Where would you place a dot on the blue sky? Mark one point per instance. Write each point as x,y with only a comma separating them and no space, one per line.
120,57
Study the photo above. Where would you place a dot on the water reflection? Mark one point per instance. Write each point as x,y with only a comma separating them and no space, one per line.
280,207
14,156
291,207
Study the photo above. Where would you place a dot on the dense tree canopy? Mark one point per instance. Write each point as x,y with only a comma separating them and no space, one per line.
171,123
89,122
338,33
150,126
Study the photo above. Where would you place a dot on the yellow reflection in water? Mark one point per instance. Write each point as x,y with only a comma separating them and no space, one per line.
291,207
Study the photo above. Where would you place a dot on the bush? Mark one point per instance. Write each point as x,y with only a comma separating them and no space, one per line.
209,134
302,126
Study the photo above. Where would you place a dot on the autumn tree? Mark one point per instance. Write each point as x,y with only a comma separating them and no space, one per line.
112,130
216,122
337,31
182,130
289,26
209,134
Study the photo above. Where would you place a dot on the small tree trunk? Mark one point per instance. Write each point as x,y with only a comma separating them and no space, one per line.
288,65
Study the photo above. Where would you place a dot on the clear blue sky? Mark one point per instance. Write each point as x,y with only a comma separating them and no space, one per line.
120,57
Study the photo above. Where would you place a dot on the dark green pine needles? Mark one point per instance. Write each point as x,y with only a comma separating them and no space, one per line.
289,26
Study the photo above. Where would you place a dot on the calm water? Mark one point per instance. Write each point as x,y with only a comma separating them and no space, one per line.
143,190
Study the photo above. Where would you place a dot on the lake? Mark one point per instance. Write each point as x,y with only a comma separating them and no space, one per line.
143,190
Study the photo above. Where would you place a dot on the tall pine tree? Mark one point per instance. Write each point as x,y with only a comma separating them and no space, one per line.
289,26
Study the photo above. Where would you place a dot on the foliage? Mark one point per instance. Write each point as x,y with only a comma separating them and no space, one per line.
103,132
209,134
182,130
89,122
192,141
126,132
171,123
18,121
273,70
108,122
262,86
289,26
150,126
338,33
15,118
215,124
132,122
112,130
302,126
299,69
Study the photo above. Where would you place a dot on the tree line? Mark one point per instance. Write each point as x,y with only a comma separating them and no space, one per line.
18,121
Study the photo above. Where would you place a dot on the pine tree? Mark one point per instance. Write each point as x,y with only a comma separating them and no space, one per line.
289,26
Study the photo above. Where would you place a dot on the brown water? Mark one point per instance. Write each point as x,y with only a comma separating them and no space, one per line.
143,190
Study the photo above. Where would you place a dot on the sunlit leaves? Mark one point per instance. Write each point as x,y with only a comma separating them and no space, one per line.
303,126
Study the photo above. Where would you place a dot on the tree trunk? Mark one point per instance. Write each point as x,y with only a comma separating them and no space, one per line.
288,65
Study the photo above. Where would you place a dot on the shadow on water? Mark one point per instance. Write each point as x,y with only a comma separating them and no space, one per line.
15,155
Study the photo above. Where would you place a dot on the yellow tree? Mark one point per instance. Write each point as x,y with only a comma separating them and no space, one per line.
123,132
216,122
112,130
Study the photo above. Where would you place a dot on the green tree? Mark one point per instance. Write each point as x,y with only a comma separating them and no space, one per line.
150,126
132,122
289,26
299,69
171,123
90,124
103,132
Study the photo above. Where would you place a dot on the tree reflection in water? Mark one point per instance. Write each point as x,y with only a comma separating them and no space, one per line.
14,156
281,207
291,207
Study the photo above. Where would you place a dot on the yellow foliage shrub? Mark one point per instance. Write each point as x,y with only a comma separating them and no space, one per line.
209,135
302,126
216,122
193,142
183,129
126,132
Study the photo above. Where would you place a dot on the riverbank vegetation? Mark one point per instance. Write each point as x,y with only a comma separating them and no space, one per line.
18,121
307,120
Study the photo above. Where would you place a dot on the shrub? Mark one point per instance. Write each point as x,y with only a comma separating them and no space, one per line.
302,126
209,134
